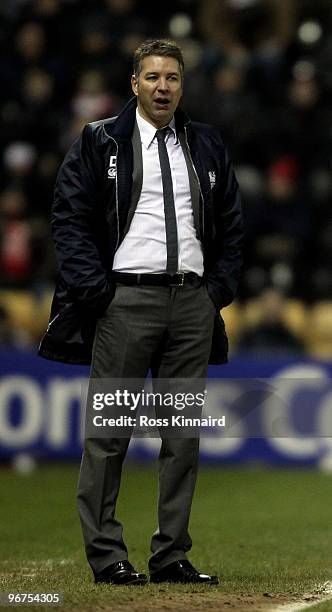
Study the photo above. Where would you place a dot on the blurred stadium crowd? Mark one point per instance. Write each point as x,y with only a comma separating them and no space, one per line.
261,70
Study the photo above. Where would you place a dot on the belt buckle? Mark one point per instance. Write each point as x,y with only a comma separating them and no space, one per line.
180,281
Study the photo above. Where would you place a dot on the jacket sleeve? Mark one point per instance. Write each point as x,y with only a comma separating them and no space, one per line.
225,275
72,223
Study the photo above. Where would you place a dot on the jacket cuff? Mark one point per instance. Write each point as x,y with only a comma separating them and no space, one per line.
221,296
92,299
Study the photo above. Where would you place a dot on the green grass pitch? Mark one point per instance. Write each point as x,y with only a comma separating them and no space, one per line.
262,531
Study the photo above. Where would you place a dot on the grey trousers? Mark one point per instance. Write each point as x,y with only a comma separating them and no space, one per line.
167,329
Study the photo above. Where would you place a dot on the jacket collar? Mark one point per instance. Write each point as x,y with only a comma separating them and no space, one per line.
123,125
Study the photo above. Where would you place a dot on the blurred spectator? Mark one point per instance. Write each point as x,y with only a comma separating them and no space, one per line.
15,242
243,27
270,336
92,100
287,211
18,159
30,43
21,241
235,108
279,225
301,120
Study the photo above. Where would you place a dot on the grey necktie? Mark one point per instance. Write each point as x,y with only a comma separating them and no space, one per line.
169,208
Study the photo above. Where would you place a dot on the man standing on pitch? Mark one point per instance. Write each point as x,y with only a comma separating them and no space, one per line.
147,228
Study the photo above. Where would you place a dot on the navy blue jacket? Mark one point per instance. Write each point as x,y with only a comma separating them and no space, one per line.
91,203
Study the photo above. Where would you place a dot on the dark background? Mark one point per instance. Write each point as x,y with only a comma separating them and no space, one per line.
260,70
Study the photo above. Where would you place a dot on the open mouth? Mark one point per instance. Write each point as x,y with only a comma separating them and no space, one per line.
162,101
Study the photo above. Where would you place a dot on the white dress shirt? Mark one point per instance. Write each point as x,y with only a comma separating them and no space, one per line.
143,249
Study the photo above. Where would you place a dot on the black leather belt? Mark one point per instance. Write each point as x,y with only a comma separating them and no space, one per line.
165,280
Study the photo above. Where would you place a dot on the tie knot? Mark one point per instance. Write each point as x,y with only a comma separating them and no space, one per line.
161,134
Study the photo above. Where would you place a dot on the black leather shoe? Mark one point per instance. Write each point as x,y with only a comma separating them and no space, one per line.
121,572
182,571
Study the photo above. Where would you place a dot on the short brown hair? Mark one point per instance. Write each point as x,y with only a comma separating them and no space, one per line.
159,46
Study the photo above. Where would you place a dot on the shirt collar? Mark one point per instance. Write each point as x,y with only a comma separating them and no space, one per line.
148,131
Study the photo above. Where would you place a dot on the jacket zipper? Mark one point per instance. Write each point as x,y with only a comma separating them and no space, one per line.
117,195
199,183
56,316
52,321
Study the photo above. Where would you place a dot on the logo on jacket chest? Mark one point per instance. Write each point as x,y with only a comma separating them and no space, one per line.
111,173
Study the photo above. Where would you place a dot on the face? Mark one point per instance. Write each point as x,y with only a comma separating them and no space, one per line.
158,89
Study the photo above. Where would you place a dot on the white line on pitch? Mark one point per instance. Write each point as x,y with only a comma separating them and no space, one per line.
324,593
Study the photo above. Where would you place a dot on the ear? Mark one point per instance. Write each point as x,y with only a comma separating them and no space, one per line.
134,84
